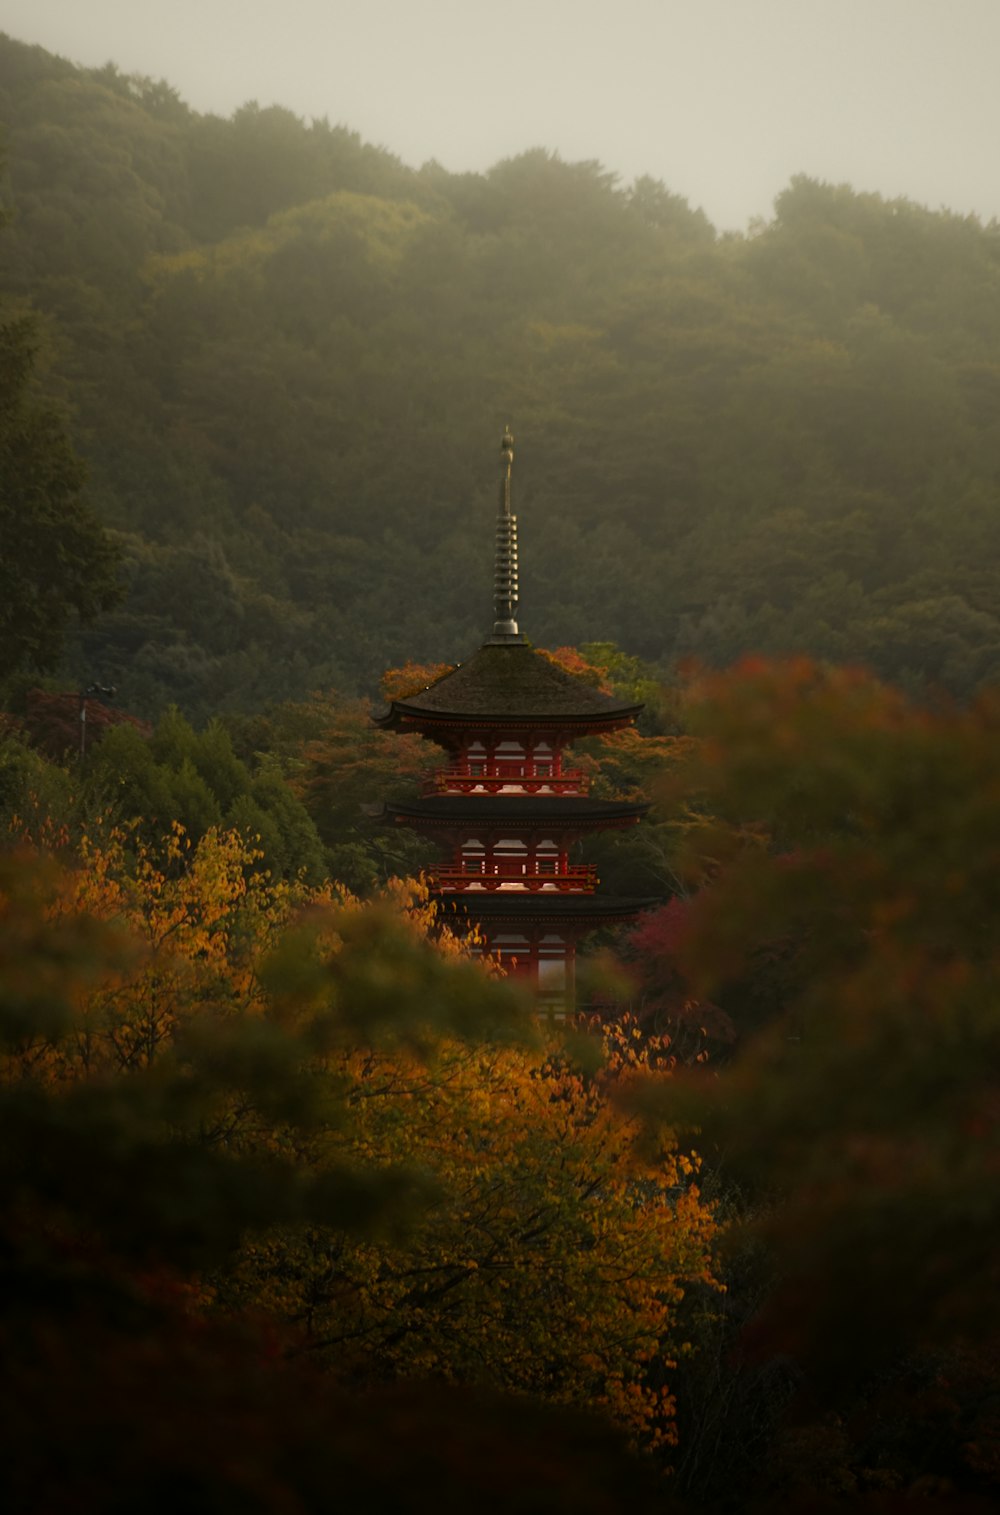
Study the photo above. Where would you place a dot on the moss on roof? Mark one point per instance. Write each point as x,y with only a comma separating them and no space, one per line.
507,681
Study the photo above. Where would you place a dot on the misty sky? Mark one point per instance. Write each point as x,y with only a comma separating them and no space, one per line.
722,99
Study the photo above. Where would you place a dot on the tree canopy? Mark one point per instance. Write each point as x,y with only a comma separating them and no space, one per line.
250,1127
290,357
58,563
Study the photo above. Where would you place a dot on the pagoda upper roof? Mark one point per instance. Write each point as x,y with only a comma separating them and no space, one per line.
510,683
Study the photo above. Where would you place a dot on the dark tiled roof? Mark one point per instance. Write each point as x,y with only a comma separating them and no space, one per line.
521,905
509,681
514,809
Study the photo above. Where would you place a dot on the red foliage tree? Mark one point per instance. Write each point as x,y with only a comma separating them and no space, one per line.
52,722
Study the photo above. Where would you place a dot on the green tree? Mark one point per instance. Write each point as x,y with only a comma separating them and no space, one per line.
346,775
195,780
58,563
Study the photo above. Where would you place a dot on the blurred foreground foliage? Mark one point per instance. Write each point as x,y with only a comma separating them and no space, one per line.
247,1127
257,1133
846,863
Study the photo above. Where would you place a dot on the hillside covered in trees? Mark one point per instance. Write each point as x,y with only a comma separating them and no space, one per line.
286,359
298,1200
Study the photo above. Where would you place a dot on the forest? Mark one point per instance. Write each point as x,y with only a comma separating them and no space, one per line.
300,1206
286,360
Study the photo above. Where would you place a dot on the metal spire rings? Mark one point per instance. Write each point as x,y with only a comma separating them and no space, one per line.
505,576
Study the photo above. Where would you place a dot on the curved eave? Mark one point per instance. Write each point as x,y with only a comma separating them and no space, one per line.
531,811
586,910
402,717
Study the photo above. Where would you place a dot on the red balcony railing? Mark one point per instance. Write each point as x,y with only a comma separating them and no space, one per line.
489,877
570,781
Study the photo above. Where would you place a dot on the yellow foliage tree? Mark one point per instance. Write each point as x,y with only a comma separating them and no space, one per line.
420,1192
551,1260
197,919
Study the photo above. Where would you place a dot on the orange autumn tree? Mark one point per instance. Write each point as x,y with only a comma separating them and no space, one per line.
581,667
336,1111
398,683
127,1171
553,1260
197,918
213,939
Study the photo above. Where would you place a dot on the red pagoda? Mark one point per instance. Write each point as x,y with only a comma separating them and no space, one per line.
506,808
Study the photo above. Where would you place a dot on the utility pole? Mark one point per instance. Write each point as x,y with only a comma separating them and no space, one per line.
108,691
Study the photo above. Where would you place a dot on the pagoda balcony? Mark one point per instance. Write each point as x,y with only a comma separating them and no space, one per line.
570,781
488,878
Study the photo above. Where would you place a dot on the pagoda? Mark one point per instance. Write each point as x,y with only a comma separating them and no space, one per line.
506,808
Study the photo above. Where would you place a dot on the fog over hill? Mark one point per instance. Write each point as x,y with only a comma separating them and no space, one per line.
288,359
722,99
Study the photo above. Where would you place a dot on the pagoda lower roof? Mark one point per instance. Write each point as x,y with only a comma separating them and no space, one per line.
520,905
509,684
514,810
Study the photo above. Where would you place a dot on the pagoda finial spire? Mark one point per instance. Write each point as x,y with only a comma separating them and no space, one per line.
505,577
